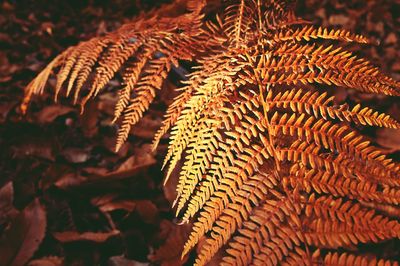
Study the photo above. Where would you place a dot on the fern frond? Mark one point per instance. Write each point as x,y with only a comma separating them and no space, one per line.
206,94
323,182
319,105
104,56
202,152
308,33
130,80
261,226
334,223
290,67
238,19
347,259
145,94
209,66
273,170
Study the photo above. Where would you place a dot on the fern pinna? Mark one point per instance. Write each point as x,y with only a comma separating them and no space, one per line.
274,170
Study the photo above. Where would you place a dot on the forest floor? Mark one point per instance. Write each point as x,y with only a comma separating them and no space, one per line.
65,196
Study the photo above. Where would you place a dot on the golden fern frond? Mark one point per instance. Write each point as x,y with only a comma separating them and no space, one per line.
131,77
145,91
308,33
274,171
174,110
324,66
300,257
238,19
335,223
209,140
206,97
322,182
145,49
319,105
279,14
311,138
347,259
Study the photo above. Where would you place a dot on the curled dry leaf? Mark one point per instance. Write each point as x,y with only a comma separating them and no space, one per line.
91,176
5,108
127,205
169,253
72,236
50,113
169,188
389,139
89,120
146,127
110,202
75,155
147,210
122,261
7,209
47,261
132,165
27,230
40,147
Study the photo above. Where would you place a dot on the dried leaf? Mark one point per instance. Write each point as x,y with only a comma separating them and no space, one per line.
132,165
97,237
93,175
5,108
146,127
108,203
6,199
389,138
147,210
122,261
47,261
89,119
170,188
169,253
50,113
40,147
341,20
70,180
75,155
22,239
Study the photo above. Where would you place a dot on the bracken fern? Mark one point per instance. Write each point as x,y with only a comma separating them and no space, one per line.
274,170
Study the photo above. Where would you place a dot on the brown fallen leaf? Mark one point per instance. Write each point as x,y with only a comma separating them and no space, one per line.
69,180
27,230
7,210
49,113
169,188
89,119
132,165
122,261
47,261
174,236
75,155
72,236
109,202
109,144
147,210
5,108
40,147
107,103
389,139
147,127
98,175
